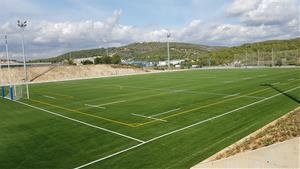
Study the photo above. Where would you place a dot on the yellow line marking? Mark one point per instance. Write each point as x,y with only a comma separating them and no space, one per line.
201,107
129,100
55,94
87,114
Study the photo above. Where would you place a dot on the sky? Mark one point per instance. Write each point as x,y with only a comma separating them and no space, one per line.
58,26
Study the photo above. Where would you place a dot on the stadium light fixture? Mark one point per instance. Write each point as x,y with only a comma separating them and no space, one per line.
22,25
168,50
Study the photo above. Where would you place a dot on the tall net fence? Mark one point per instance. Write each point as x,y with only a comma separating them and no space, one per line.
268,58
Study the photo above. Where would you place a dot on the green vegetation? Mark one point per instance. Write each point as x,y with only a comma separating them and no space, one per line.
115,59
87,62
33,138
192,53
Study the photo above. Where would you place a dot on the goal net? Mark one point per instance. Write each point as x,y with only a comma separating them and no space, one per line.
14,92
19,91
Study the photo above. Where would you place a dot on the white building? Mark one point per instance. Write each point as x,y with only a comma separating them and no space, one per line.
78,61
172,62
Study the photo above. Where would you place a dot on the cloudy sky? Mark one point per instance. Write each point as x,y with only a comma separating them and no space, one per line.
59,26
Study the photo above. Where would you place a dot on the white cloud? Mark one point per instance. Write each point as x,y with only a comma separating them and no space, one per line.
239,7
268,12
259,20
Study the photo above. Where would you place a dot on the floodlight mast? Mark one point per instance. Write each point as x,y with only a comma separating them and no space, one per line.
168,50
8,62
22,25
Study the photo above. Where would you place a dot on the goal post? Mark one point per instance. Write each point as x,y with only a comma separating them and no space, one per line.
13,92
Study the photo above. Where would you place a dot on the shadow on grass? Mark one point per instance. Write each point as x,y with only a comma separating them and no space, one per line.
282,92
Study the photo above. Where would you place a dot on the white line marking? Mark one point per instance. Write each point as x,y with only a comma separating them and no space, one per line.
228,81
148,117
264,75
232,95
50,97
165,112
94,106
254,97
291,79
106,157
184,128
247,78
275,83
81,122
121,101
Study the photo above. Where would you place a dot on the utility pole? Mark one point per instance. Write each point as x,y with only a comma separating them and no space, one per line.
168,50
22,25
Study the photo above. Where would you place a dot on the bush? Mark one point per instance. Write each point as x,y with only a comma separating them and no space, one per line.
116,59
97,61
87,62
103,60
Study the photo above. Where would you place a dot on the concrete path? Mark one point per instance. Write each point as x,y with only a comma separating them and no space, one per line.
284,155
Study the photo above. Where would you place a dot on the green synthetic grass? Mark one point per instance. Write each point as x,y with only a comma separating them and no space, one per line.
31,138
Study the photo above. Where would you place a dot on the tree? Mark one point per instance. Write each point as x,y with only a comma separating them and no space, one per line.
106,60
116,59
97,61
70,62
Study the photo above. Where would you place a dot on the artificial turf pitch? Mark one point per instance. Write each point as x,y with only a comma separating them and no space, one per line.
164,120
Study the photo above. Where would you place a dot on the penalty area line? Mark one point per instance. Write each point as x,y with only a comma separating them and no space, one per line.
184,128
81,122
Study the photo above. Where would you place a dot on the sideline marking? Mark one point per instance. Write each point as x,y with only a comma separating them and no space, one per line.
208,105
232,95
149,117
164,112
184,128
81,122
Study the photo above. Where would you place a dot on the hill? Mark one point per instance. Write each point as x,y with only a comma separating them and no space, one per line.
155,51
145,51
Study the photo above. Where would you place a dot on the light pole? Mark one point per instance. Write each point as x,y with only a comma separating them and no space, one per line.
246,57
272,57
22,25
168,50
8,67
